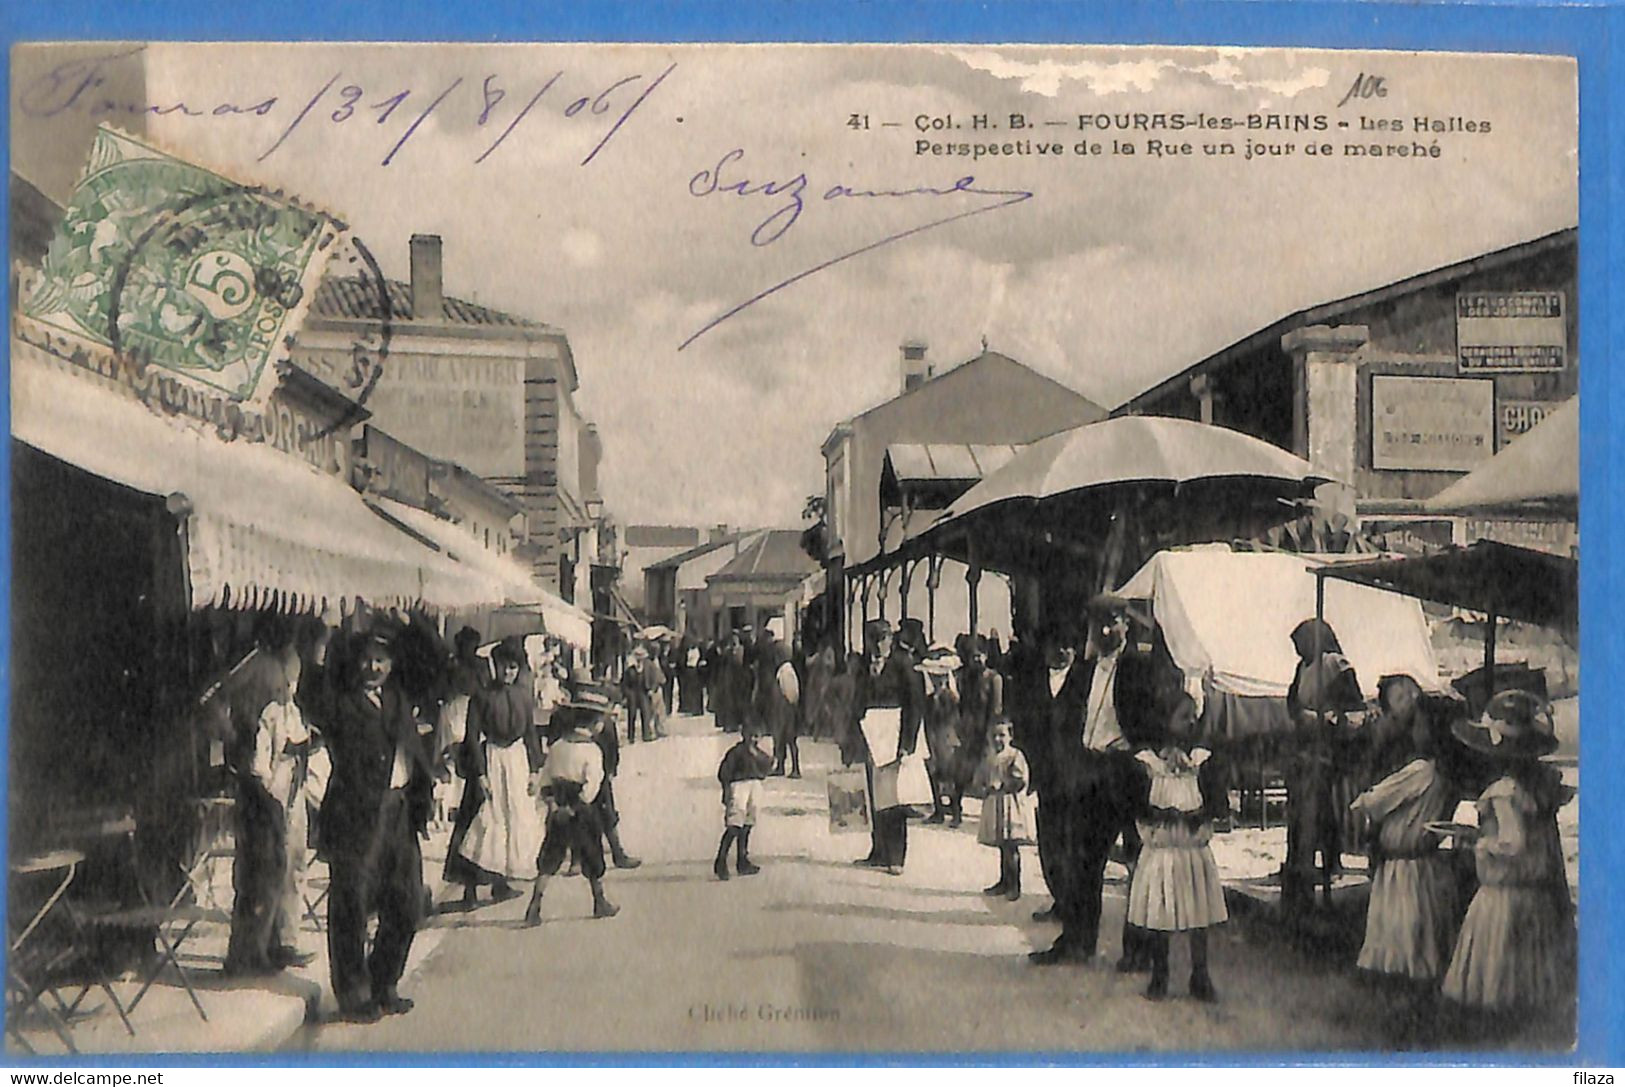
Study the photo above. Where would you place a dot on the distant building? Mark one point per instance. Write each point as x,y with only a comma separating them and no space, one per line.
1398,391
987,402
642,545
770,578
675,588
474,386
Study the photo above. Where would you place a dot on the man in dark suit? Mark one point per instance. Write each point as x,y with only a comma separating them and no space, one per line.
1076,721
369,827
1052,691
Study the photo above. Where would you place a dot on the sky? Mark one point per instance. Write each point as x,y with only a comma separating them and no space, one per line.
1113,274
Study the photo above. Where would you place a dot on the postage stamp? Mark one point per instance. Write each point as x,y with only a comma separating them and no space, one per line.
171,263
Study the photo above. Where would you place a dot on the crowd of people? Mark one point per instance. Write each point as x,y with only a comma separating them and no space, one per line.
1081,741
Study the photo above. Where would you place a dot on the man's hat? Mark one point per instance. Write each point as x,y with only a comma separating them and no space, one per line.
1515,725
589,696
509,651
874,630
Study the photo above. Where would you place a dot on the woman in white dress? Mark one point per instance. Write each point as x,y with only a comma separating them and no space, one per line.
504,750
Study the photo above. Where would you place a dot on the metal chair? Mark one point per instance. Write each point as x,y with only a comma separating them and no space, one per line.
195,902
45,957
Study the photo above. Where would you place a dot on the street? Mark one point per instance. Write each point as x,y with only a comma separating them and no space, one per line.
815,954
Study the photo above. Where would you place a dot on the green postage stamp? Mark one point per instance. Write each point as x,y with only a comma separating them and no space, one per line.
176,267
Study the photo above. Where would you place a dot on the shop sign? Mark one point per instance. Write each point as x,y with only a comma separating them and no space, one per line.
1511,332
1431,424
399,471
1518,417
1553,537
282,424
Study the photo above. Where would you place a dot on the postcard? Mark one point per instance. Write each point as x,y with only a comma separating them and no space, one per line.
477,510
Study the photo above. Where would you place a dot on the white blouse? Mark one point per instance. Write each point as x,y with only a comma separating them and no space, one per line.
1175,787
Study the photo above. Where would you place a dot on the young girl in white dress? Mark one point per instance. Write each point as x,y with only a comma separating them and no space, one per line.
1006,822
1176,884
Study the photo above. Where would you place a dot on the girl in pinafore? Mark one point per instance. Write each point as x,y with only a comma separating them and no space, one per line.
1002,780
1517,943
1176,882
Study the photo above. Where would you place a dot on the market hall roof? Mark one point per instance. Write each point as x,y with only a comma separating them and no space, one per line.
1329,311
936,461
263,529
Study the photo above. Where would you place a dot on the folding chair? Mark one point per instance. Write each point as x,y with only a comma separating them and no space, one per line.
37,969
195,902
313,905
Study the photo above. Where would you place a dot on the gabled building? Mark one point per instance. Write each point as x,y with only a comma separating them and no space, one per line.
986,402
474,386
770,578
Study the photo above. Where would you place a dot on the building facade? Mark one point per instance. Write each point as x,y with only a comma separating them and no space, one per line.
473,386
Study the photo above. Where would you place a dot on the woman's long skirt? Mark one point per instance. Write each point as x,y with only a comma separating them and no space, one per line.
506,833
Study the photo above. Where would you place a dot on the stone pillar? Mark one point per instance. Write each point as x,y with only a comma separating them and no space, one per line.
1325,365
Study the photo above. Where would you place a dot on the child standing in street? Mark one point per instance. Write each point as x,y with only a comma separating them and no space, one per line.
1002,780
741,773
1176,884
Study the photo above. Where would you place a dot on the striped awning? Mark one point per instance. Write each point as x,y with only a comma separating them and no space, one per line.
263,529
561,619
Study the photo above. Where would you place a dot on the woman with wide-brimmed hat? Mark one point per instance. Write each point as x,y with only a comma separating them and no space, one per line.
1517,943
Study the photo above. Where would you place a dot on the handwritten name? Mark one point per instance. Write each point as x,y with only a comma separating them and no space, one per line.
788,199
77,87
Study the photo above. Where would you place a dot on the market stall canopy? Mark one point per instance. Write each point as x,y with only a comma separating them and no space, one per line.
1490,577
1537,474
521,590
1227,618
263,528
1134,449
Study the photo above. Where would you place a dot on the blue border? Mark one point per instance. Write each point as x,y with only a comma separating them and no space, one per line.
1591,33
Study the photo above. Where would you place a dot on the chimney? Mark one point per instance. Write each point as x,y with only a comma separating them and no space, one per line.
916,371
428,298
591,454
718,532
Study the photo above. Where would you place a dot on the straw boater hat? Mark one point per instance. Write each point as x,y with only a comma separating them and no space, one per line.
1515,725
940,661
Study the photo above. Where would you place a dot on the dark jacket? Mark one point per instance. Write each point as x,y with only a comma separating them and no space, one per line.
502,714
362,739
744,761
1049,727
896,685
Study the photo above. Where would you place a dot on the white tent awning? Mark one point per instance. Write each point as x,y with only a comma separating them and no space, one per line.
1228,617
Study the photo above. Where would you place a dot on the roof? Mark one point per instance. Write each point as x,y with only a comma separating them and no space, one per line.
450,470
982,359
356,299
775,554
672,562
936,461
661,536
1488,576
1326,311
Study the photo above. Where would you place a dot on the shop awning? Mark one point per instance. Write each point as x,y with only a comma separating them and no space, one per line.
561,619
263,529
1490,577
